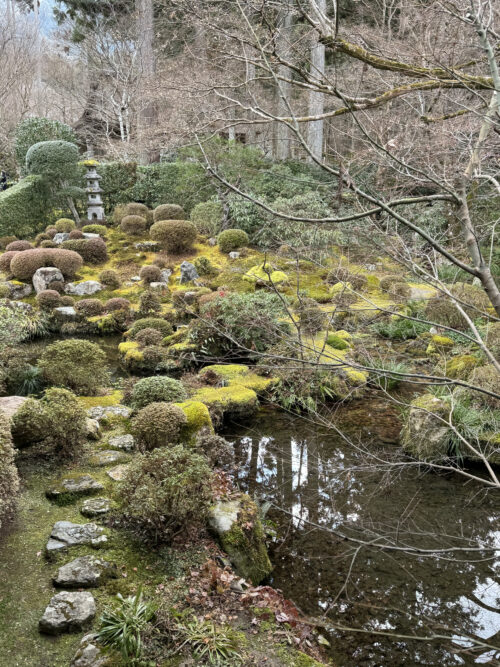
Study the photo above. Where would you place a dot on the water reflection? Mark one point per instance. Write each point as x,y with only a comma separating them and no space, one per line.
320,483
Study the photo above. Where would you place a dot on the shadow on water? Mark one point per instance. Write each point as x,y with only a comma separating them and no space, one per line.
314,477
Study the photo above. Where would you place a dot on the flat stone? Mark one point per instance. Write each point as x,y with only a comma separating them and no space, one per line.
66,312
95,507
135,279
92,429
9,405
89,235
81,485
18,290
84,572
147,246
123,442
66,534
108,457
158,286
68,612
118,472
89,653
84,288
60,237
100,411
212,241
44,276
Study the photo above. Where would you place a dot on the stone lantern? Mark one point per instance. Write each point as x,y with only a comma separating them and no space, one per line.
95,208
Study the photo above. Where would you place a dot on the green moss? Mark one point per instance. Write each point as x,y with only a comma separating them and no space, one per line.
238,374
293,658
461,366
257,274
115,398
234,401
439,344
198,418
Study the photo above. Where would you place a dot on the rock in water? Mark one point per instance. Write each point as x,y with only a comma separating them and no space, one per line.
84,572
84,288
188,273
95,507
43,277
89,654
81,485
68,612
66,534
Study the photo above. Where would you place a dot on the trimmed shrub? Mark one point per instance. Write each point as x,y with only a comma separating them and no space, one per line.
67,300
5,240
218,451
119,213
6,259
25,263
117,303
168,212
163,262
76,364
48,299
232,239
31,130
149,304
48,244
24,207
493,339
387,281
205,267
92,251
312,318
9,479
89,307
486,377
19,245
102,230
65,225
53,160
41,237
75,234
153,356
167,490
134,208
175,236
57,420
157,389
148,337
51,231
117,177
164,327
158,425
150,273
207,217
110,279
133,224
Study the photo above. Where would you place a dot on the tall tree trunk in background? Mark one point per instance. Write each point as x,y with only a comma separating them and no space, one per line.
147,114
282,133
317,99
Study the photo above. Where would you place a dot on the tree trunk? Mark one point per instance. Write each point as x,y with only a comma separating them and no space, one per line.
317,99
282,132
147,115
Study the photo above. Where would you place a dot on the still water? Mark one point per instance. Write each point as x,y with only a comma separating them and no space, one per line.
321,483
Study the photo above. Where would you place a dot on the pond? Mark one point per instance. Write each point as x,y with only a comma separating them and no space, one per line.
320,483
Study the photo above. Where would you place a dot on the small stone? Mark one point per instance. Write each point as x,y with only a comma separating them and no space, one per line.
84,288
92,429
89,235
66,534
95,507
188,273
9,405
89,654
108,456
60,237
234,255
212,241
135,279
81,485
44,276
118,472
147,246
158,286
101,411
66,312
84,572
165,275
124,442
19,290
68,612
433,331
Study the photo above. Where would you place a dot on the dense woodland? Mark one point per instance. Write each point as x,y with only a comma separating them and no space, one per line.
249,332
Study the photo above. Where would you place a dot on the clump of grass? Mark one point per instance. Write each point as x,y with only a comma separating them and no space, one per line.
387,376
210,643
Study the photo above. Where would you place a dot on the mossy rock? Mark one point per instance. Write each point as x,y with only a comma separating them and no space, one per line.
440,344
461,366
198,418
424,435
238,374
235,402
258,275
239,530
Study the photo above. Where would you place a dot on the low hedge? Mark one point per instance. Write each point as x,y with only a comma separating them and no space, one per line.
24,207
93,251
24,264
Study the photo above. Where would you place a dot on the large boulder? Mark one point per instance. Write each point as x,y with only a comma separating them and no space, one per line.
84,572
85,288
60,237
188,273
239,530
424,434
44,276
68,612
66,534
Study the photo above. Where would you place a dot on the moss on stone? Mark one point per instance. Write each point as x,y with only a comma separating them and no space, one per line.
439,344
235,401
238,374
257,274
198,418
115,398
461,366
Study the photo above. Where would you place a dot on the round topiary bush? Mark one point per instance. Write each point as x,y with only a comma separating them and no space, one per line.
158,425
217,449
67,300
41,237
167,490
232,239
148,337
150,274
48,244
76,364
102,230
9,479
488,378
64,225
25,263
156,389
53,159
164,327
135,208
119,212
207,217
5,240
117,303
168,212
57,285
93,251
75,234
149,304
19,245
387,281
175,236
312,318
133,224
51,231
48,299
6,259
110,279
89,307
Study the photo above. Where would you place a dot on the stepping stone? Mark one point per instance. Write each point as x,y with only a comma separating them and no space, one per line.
95,507
68,612
80,485
84,572
118,472
108,457
89,653
124,442
100,411
66,534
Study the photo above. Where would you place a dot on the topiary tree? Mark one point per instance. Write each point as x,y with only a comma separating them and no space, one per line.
174,235
164,327
57,163
9,479
133,224
232,239
167,490
168,212
158,425
110,278
76,364
33,130
157,389
65,225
